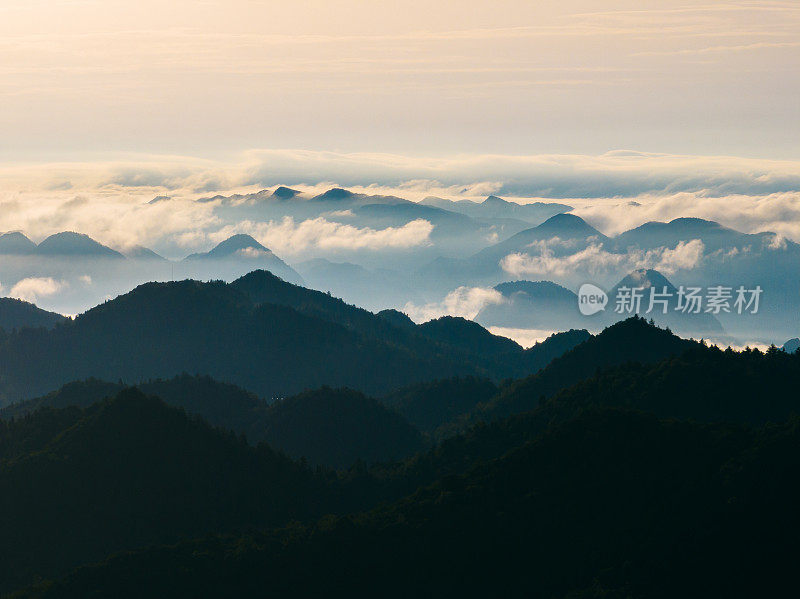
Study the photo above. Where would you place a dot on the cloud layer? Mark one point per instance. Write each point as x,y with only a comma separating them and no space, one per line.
290,237
465,302
111,201
596,261
34,288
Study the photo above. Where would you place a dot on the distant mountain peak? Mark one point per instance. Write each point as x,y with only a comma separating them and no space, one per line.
533,288
792,345
238,243
70,243
285,193
646,277
568,224
690,220
15,242
498,201
336,193
139,252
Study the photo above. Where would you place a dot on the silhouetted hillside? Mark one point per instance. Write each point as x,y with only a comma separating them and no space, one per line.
337,427
161,329
18,314
397,318
611,504
333,428
221,404
703,383
468,335
632,340
429,405
130,472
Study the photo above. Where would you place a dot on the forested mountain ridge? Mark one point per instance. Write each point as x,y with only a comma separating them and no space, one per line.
334,428
259,332
127,472
601,506
19,314
586,497
631,340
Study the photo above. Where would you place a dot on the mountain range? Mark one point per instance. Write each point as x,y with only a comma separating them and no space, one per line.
260,332
470,244
636,465
19,314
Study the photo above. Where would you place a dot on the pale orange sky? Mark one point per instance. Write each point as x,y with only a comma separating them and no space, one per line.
83,80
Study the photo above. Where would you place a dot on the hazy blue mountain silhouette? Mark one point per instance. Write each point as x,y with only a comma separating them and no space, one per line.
564,227
15,243
494,207
351,282
243,248
70,243
713,235
139,252
542,305
688,324
562,234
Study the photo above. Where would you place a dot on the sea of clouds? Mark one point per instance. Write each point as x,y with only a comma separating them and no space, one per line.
110,200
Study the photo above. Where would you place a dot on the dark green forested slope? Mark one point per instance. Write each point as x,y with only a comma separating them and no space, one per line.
129,472
611,504
337,427
631,340
221,404
431,404
231,332
329,427
578,497
467,334
703,383
18,314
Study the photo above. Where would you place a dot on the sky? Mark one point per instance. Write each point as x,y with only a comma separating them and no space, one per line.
85,79
628,110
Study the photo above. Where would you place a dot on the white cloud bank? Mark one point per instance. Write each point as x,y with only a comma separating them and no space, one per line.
34,288
290,237
465,302
594,260
110,201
